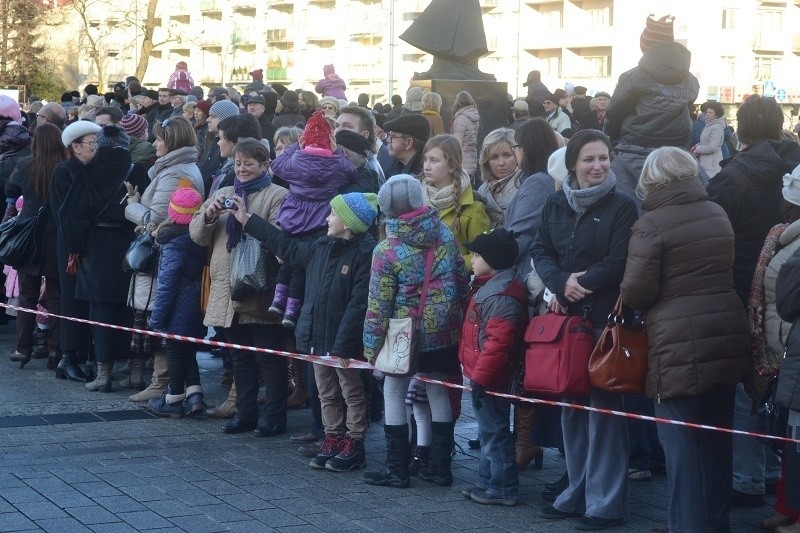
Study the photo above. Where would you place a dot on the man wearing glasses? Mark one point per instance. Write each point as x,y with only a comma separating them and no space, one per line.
406,136
53,113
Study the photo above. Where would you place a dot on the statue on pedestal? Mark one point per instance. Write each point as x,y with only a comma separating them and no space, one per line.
452,32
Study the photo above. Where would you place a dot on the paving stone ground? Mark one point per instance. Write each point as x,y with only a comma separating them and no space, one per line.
73,460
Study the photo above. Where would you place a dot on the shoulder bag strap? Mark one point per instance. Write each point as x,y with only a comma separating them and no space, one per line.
124,179
424,294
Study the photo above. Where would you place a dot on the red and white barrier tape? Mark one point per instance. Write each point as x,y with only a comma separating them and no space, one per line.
339,362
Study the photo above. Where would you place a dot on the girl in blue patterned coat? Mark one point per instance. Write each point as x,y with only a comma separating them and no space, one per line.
177,306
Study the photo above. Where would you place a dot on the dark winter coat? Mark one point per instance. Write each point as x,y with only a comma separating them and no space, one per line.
491,335
749,190
288,120
596,242
680,273
177,299
788,303
337,282
365,180
21,184
92,220
650,103
580,106
393,166
15,143
268,132
209,163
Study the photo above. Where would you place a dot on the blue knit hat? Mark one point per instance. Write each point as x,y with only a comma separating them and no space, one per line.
356,210
224,109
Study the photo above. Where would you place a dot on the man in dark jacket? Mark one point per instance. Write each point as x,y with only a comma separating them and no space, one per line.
649,108
257,107
749,189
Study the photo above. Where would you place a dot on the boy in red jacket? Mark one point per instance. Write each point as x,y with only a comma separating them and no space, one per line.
489,351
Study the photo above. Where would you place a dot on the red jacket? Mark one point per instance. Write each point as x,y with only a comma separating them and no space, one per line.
491,335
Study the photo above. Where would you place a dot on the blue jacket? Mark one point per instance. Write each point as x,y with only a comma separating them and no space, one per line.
180,267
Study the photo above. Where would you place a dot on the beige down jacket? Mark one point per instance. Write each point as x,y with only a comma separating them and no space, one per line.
220,310
775,328
466,124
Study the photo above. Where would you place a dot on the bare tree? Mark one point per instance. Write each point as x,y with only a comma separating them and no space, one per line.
93,34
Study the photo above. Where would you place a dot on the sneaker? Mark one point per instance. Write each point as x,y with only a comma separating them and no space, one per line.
482,497
634,474
351,456
329,449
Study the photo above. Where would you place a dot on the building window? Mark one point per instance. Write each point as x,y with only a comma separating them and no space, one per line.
553,20
600,17
728,66
552,66
729,19
764,66
769,21
598,66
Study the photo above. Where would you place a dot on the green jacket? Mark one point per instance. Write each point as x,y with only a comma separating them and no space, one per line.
473,221
142,153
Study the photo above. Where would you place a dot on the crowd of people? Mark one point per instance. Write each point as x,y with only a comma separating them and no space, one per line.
361,215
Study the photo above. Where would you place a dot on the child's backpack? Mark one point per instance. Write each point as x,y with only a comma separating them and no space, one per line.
184,81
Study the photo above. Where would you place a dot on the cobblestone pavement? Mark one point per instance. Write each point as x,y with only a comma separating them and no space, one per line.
73,460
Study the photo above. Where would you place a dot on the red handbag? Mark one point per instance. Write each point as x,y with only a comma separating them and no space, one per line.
557,350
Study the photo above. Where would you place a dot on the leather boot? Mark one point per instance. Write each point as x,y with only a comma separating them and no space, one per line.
398,455
439,469
226,409
135,379
299,396
69,369
194,400
90,369
168,405
526,452
102,382
158,383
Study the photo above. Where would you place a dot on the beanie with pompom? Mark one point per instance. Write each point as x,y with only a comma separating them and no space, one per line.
317,133
184,203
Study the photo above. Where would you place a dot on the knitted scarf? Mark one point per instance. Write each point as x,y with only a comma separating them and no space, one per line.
765,363
234,228
580,200
445,197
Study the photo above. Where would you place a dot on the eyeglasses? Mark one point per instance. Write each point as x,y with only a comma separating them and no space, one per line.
165,123
90,143
42,116
514,146
328,107
392,135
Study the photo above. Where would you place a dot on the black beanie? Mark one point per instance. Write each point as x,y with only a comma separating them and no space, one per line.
353,141
113,137
497,247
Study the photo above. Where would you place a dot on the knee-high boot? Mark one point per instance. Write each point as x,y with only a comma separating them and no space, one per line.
439,470
525,452
398,455
159,381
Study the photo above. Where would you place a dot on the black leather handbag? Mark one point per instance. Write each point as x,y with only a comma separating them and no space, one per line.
20,239
141,255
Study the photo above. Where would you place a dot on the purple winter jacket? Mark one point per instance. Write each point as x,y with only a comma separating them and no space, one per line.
313,182
332,85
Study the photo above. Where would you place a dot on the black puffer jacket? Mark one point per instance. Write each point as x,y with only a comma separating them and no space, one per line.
787,292
597,242
15,143
749,189
337,283
650,103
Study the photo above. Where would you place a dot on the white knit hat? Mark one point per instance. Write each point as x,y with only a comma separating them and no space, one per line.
556,166
791,186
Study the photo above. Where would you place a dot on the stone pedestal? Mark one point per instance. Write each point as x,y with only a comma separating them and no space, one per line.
491,98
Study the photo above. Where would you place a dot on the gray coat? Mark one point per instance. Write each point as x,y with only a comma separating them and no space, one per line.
787,291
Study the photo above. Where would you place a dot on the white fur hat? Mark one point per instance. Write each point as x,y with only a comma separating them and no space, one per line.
556,166
791,186
76,130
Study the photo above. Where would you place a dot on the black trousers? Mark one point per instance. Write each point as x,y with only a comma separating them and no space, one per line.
183,369
29,287
110,344
245,372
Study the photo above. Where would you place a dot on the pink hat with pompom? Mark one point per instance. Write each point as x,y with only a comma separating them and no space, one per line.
184,204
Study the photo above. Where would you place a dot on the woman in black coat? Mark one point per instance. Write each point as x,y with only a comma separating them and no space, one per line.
97,236
31,180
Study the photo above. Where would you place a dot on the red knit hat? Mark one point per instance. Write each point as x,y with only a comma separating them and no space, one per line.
657,31
317,133
184,203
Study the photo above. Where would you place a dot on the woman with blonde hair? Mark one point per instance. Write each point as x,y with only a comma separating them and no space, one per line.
446,187
500,173
466,123
431,110
679,272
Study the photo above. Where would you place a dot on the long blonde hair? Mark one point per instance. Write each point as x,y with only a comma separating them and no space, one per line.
451,149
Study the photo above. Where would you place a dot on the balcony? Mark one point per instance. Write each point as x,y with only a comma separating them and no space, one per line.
324,4
181,51
367,38
285,6
213,45
796,43
211,9
244,40
769,42
244,7
488,5
181,18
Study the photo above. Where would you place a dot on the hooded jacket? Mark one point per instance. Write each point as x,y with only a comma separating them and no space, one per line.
313,182
679,272
749,190
466,124
493,327
397,275
650,103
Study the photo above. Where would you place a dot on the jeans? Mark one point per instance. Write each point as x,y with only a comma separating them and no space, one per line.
753,462
698,461
642,434
497,469
245,373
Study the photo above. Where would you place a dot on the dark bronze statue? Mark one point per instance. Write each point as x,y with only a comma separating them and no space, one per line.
452,32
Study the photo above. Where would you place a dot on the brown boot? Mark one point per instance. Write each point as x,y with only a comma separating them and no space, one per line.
102,382
136,378
525,451
158,383
226,409
299,396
